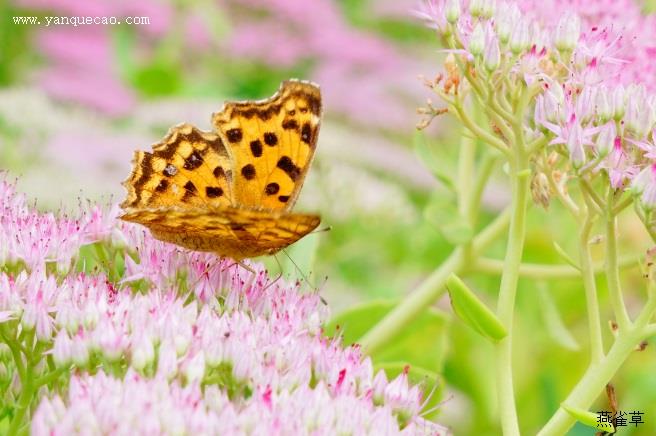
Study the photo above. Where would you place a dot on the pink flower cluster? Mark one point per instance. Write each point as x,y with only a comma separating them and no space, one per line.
587,101
637,43
36,239
183,343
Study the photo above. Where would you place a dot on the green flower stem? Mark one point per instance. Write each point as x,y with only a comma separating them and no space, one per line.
484,171
545,271
519,176
28,389
594,381
430,289
415,303
481,133
466,161
613,270
650,330
590,286
15,352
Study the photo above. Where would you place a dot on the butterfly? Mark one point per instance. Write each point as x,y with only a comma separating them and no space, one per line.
231,191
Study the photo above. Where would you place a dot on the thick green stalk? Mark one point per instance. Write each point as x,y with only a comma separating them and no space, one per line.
508,290
593,382
546,271
24,400
592,302
613,272
416,302
430,289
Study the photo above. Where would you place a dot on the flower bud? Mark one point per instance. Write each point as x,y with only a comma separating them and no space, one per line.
540,189
567,32
606,139
644,184
476,8
492,54
585,104
575,146
91,316
80,352
519,38
62,349
378,388
477,41
604,107
452,11
195,368
143,353
619,102
487,8
639,116
506,18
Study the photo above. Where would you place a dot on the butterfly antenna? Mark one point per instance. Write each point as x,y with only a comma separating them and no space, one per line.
279,276
325,229
303,276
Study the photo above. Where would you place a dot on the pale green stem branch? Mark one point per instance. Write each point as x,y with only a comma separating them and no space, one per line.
508,291
565,199
619,207
545,271
466,160
429,290
484,172
593,382
613,271
481,133
590,286
650,330
413,304
537,144
595,201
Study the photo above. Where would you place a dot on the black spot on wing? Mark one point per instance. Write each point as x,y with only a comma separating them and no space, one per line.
163,184
146,172
272,188
193,161
283,198
306,133
234,135
290,124
190,187
190,191
213,191
256,148
248,171
270,139
219,172
287,165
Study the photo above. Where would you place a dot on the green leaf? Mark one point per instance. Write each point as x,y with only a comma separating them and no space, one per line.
588,418
554,322
566,257
443,214
437,165
473,311
421,343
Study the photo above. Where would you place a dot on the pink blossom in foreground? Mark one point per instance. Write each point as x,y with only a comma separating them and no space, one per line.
101,404
182,343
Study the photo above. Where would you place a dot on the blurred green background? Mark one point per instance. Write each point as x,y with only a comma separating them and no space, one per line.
75,101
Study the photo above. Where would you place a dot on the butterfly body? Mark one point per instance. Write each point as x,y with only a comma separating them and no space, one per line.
231,191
